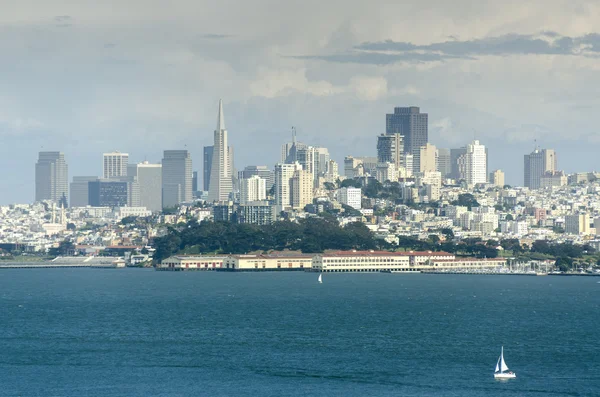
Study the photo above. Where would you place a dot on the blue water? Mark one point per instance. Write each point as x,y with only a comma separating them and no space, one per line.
134,332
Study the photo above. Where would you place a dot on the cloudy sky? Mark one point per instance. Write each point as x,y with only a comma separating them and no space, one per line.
141,76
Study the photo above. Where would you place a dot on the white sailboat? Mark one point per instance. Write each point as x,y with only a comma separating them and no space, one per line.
320,278
502,371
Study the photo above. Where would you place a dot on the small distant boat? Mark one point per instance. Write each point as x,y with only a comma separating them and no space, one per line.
502,371
320,279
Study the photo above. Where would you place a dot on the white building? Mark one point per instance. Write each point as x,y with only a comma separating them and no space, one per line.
577,224
350,196
283,176
195,262
252,189
267,262
431,181
386,172
114,164
302,191
475,163
123,212
221,170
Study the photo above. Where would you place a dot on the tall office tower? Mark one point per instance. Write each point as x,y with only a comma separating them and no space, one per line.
108,193
176,177
149,178
208,152
80,190
283,176
410,123
52,178
260,170
288,150
537,164
475,163
497,178
302,189
390,149
194,182
427,159
221,171
252,189
115,164
321,160
444,163
306,156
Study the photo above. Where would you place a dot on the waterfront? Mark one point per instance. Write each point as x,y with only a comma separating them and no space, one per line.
141,332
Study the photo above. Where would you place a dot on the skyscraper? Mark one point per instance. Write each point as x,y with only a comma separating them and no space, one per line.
114,164
301,189
260,170
475,163
221,170
288,150
410,123
390,148
80,190
537,164
107,193
208,152
176,177
52,178
149,178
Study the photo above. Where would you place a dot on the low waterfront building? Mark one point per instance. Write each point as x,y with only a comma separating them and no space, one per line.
377,261
267,262
192,262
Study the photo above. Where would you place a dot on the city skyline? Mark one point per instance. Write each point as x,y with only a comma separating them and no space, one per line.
480,73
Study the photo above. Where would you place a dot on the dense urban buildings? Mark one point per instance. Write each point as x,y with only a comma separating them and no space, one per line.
52,178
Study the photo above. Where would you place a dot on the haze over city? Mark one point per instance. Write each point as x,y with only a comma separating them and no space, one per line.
145,76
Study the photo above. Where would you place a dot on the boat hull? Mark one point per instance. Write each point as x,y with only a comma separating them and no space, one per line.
505,376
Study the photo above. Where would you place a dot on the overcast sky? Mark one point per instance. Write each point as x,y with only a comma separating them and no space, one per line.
141,76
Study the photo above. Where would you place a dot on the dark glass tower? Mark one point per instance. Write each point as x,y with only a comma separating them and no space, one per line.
410,123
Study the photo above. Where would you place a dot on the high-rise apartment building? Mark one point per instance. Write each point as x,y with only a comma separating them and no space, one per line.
430,183
283,176
537,164
176,178
52,178
444,162
351,196
475,163
577,224
149,179
457,163
412,124
114,164
221,170
427,160
79,196
497,178
390,148
252,189
302,189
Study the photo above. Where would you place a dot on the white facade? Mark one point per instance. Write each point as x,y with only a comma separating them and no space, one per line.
196,262
432,181
283,176
252,189
302,191
114,164
427,158
221,170
386,172
123,212
497,178
351,196
475,163
267,262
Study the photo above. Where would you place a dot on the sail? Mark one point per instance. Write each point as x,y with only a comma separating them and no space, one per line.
503,366
498,365
320,278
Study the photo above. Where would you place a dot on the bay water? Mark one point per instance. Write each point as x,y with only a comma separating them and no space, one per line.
138,332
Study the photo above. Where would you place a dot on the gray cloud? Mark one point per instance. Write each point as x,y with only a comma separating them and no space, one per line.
389,51
63,21
215,36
